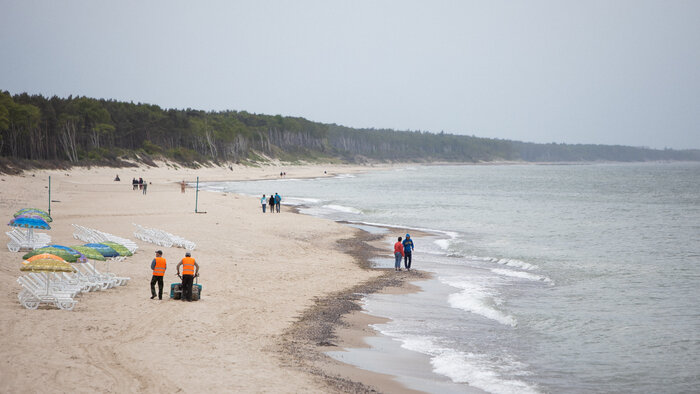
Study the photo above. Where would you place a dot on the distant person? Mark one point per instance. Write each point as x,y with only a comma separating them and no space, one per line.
182,186
158,265
140,183
116,179
188,273
398,254
134,184
263,201
407,251
271,201
145,186
280,175
278,200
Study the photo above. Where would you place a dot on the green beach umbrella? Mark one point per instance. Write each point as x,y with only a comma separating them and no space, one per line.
89,252
64,254
34,211
121,249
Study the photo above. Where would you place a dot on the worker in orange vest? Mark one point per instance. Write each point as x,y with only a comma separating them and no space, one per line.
188,273
158,266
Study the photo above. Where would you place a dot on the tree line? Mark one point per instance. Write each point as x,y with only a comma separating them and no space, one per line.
80,130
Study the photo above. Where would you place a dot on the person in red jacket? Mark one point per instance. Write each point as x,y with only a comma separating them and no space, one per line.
398,254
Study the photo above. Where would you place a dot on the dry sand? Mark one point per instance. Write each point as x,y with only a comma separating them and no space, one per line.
260,275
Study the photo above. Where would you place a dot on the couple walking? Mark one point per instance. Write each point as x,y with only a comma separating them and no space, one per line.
403,249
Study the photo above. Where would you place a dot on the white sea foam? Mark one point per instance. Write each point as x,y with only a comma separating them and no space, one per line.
301,201
444,244
345,176
478,300
520,275
476,370
509,262
342,208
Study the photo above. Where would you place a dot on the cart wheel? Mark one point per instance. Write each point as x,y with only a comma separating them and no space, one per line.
13,247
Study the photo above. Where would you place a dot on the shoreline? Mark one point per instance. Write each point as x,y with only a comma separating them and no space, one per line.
337,322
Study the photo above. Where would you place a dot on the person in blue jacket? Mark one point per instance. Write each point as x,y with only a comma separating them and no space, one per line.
407,249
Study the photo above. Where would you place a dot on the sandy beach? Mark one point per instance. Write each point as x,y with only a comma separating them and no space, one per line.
262,276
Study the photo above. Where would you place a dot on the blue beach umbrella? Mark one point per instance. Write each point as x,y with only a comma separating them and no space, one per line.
29,222
104,250
81,257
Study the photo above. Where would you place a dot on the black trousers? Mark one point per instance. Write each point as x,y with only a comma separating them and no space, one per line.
159,280
187,287
407,260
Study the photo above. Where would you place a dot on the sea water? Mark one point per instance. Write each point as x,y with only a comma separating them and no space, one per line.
546,278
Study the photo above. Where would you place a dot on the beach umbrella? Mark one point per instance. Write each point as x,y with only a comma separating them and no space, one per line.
64,254
104,250
43,256
34,211
90,253
31,216
29,222
81,257
121,249
47,266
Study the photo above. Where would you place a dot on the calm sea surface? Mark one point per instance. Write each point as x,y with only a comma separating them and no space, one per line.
575,279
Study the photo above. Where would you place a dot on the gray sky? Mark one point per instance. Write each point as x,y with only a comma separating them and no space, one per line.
605,72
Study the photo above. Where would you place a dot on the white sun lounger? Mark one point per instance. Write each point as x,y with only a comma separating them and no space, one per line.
90,235
19,241
162,238
32,296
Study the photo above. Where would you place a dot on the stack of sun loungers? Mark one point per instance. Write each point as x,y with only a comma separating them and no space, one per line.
162,238
63,287
87,234
35,292
20,241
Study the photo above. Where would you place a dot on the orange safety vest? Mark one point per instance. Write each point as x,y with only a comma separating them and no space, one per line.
188,266
159,270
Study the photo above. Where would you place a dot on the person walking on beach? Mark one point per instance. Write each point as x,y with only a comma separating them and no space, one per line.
271,200
134,184
140,183
407,251
398,254
188,273
182,186
145,186
263,201
278,199
158,266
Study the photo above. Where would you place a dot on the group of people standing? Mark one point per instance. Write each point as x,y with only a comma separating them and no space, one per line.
274,202
403,249
139,184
